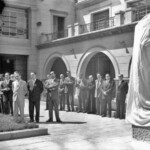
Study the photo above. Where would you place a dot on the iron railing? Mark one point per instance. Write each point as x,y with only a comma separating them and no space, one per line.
140,13
85,28
97,25
58,35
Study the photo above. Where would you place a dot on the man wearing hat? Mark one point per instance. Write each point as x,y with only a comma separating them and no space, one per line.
121,96
69,90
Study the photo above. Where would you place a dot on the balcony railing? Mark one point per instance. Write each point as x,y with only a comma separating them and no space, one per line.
122,18
97,25
140,13
58,35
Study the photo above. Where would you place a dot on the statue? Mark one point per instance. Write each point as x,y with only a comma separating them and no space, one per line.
2,6
138,99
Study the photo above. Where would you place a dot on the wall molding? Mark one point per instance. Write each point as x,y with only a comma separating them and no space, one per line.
58,13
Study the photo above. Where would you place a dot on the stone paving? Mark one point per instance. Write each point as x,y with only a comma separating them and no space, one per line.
79,131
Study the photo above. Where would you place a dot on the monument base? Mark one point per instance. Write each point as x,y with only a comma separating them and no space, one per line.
141,133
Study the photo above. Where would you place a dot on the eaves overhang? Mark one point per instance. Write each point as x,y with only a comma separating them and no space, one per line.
88,3
89,36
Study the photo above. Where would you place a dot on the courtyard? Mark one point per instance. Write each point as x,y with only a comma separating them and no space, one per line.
78,131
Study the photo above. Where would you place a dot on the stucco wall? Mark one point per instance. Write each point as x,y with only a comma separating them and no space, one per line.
112,44
18,46
45,15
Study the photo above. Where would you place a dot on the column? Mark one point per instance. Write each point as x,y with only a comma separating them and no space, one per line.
119,18
129,15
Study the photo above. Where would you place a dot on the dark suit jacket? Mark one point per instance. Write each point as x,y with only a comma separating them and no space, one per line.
7,85
37,89
91,87
69,84
122,90
108,88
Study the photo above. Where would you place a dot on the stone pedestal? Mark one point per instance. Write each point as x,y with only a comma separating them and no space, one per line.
141,133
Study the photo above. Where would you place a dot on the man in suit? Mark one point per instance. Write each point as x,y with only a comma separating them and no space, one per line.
19,89
121,97
98,93
7,91
35,88
52,87
61,92
82,86
47,105
108,86
69,90
90,99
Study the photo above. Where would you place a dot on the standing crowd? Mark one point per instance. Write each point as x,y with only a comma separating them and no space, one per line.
93,96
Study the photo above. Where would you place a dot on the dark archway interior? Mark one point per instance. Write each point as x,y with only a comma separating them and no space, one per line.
11,63
100,63
59,67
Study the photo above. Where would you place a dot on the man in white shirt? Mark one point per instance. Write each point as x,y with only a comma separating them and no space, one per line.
19,88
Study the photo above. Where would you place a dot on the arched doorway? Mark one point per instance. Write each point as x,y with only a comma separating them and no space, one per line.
11,63
100,63
86,58
55,62
59,67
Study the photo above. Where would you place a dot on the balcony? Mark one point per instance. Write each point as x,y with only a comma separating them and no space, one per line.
121,19
140,13
97,25
78,29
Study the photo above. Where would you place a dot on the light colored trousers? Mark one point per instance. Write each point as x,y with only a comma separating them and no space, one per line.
19,107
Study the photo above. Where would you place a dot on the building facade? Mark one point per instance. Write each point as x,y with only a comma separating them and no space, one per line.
18,37
83,36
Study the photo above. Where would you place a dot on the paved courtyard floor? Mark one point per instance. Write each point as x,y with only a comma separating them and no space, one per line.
79,131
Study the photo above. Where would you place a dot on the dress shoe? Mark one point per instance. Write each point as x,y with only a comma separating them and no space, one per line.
49,120
79,111
103,115
59,121
67,110
31,120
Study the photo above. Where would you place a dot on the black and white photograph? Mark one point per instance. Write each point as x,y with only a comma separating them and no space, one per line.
74,74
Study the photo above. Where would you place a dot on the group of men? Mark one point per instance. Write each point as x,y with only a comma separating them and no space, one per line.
14,91
96,96
6,93
93,96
